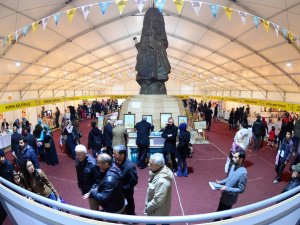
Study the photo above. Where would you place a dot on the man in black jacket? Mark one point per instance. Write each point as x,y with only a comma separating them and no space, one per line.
170,134
107,136
95,141
6,171
87,173
257,130
109,193
128,175
143,129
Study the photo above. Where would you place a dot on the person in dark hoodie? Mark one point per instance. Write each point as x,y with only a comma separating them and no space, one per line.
257,130
295,179
95,140
109,193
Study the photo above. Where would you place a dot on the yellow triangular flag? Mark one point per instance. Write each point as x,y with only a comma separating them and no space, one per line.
228,12
10,39
121,5
291,36
34,26
70,14
266,24
179,5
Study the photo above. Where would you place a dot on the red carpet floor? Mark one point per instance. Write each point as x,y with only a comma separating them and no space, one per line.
191,195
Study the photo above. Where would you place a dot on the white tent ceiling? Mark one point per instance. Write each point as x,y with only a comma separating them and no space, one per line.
211,53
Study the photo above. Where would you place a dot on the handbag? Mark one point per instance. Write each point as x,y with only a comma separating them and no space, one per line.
47,145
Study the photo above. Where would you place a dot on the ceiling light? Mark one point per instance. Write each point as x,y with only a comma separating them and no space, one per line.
46,68
288,64
18,64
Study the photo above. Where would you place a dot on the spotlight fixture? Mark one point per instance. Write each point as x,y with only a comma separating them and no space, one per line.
18,64
288,64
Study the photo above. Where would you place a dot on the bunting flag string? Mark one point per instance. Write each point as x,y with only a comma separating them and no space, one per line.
228,12
44,22
140,4
214,9
34,26
121,5
71,13
179,4
56,18
196,6
266,25
103,6
243,16
86,10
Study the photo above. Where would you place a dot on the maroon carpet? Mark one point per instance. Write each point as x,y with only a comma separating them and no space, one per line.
191,195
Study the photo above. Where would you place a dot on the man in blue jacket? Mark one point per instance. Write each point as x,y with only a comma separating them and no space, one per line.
234,184
143,129
283,155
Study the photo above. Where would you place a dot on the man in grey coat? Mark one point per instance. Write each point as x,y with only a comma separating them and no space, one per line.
159,192
235,183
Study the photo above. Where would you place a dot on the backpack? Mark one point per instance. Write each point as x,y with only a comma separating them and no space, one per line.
97,141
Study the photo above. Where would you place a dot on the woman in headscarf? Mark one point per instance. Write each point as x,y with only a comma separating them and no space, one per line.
49,145
183,150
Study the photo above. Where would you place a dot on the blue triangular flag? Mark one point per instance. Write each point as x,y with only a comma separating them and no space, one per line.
25,30
284,32
256,21
56,18
214,9
103,6
160,4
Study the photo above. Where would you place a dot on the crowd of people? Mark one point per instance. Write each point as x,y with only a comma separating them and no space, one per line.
107,177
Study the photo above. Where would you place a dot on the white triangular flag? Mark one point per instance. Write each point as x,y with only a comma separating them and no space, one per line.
243,16
276,28
140,4
17,35
86,10
44,22
196,6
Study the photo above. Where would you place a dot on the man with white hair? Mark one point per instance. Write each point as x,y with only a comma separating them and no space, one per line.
87,173
159,193
119,134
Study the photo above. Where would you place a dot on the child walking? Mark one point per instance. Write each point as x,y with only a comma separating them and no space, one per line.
272,137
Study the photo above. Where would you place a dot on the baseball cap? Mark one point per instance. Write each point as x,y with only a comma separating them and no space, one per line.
296,167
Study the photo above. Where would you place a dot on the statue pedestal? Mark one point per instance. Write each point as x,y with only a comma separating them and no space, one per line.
153,105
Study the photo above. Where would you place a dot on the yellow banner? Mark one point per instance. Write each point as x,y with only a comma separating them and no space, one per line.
70,14
179,5
17,105
266,25
228,12
34,26
121,5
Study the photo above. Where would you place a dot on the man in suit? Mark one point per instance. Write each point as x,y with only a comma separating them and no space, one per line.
143,129
4,125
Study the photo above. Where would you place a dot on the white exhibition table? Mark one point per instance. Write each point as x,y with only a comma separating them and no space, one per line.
156,145
5,140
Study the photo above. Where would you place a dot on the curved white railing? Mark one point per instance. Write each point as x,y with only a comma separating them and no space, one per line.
25,211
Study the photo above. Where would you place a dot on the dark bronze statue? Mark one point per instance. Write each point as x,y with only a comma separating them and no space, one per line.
152,64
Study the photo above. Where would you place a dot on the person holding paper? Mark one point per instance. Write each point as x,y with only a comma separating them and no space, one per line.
234,184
